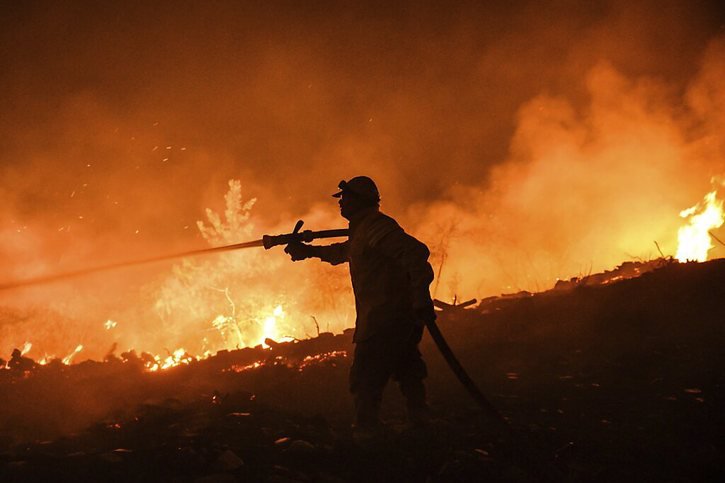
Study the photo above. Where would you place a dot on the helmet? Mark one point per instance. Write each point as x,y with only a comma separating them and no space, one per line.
361,186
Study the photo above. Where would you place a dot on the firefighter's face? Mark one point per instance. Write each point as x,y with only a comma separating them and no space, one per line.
350,204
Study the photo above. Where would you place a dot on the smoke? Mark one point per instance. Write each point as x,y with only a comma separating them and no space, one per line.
586,188
523,143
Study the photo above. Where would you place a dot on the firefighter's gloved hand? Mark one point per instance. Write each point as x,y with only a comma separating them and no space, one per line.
298,251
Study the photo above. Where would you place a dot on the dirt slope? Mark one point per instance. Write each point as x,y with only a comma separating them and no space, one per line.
615,382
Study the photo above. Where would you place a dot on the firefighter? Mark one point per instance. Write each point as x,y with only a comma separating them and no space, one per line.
390,279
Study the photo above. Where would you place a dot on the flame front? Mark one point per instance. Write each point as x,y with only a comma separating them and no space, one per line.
694,239
178,357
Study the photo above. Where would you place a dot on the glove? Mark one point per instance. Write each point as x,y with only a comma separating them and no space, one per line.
298,251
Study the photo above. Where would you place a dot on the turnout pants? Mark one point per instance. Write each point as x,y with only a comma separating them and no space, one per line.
378,359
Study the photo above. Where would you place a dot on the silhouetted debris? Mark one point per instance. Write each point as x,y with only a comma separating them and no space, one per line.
624,271
454,309
228,461
301,446
612,382
20,363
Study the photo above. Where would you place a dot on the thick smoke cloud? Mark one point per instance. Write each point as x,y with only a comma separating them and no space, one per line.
588,187
521,142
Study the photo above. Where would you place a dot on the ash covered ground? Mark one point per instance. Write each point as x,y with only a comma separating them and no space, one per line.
607,379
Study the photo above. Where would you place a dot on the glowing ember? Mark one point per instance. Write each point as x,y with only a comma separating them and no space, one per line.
694,239
241,368
326,357
69,357
177,358
266,323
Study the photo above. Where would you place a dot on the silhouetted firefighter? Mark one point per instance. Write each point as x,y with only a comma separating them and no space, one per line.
390,278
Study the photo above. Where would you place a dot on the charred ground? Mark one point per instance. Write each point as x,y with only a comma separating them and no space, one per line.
611,381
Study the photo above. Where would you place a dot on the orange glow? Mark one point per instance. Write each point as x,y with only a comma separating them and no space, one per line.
518,164
177,358
694,240
26,348
67,359
240,368
322,358
269,326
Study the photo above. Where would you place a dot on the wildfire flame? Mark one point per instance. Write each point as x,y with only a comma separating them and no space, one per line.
67,359
694,239
228,302
26,348
268,330
269,326
178,357
226,325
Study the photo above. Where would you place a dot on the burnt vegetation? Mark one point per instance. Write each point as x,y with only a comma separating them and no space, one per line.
615,378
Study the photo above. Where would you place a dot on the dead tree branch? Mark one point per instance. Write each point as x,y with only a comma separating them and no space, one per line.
658,249
317,326
716,238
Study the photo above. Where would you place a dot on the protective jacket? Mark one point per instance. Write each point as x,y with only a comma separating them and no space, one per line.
390,274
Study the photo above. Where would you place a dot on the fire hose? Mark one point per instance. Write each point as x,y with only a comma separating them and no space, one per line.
269,241
539,464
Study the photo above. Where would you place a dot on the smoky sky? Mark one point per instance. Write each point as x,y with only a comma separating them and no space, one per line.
292,96
122,121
